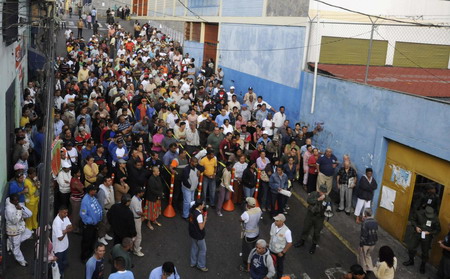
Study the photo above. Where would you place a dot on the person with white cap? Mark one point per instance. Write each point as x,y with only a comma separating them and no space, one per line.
280,242
63,179
250,228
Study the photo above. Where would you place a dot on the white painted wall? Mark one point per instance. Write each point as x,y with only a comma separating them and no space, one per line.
431,9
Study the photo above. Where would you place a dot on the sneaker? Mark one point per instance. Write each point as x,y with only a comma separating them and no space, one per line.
23,263
287,207
219,214
107,237
204,269
300,243
312,250
139,254
193,265
103,241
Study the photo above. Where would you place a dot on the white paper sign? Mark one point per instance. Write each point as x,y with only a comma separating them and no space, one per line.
103,4
388,198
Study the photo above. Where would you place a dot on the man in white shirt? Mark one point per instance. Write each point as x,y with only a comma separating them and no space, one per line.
105,196
280,242
136,208
268,125
60,228
278,119
260,101
250,219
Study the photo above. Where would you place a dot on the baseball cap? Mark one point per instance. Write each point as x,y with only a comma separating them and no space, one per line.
323,188
250,88
280,217
232,87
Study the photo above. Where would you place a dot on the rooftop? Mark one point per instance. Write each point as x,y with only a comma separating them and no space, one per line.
433,83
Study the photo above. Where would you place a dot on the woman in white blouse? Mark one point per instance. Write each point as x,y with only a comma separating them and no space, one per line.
386,265
227,127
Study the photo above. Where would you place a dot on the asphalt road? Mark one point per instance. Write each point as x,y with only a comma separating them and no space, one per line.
171,242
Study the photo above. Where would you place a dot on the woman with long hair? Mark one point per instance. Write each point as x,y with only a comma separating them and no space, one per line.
386,265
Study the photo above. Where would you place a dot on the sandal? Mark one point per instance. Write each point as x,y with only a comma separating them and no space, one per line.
150,227
158,224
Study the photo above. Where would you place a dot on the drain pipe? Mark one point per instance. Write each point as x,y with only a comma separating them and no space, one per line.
316,66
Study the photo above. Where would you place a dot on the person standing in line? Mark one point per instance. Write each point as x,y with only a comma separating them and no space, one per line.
444,265
386,265
61,226
76,195
197,222
346,181
280,242
153,196
209,162
121,219
425,225
105,196
190,177
260,263
91,214
32,199
366,187
278,181
250,228
317,204
368,240
95,266
136,208
94,15
122,250
121,273
80,26
15,226
326,165
166,271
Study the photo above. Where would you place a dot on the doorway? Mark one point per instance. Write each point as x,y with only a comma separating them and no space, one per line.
211,41
426,193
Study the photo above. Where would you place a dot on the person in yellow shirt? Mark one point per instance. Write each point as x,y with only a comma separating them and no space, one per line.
209,162
83,73
90,171
25,119
32,198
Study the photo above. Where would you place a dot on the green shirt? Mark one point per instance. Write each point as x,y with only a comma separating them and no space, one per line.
117,251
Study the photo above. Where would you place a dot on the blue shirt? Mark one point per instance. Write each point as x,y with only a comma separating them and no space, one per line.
326,164
157,274
15,188
168,157
220,119
122,275
95,269
91,212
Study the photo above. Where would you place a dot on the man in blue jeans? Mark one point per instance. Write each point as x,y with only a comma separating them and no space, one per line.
60,228
197,222
209,162
189,182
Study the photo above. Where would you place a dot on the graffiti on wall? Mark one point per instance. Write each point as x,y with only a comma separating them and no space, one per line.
400,176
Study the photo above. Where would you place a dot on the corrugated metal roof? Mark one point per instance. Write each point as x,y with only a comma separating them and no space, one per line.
424,82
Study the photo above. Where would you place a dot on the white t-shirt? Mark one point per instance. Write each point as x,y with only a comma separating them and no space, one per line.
287,235
57,231
200,218
267,125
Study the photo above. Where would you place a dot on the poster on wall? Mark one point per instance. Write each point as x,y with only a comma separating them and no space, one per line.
388,198
18,55
400,176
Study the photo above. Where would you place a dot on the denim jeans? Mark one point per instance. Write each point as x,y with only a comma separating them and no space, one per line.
62,260
198,253
188,197
210,185
249,192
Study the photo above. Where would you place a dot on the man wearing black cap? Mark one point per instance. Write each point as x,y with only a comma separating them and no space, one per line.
318,201
424,225
356,272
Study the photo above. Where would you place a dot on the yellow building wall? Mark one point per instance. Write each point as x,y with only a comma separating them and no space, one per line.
421,55
344,51
418,163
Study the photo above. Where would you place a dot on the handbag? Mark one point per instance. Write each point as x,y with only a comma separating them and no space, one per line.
55,271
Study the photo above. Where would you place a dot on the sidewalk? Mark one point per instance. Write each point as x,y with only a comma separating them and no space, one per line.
345,229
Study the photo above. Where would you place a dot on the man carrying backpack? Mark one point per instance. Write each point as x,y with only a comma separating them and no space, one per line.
260,263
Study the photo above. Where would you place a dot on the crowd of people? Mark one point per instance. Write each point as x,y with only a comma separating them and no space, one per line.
135,115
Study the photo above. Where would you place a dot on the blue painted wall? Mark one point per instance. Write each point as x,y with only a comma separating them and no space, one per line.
359,120
252,8
268,58
204,7
195,50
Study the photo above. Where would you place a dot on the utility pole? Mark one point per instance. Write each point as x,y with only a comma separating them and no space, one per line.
41,267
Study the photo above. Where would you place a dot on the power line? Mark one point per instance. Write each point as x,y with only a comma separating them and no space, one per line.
199,17
374,16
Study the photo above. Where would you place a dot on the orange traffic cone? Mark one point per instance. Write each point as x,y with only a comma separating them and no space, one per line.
169,212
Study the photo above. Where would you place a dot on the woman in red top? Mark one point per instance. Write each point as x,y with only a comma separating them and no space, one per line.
312,172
